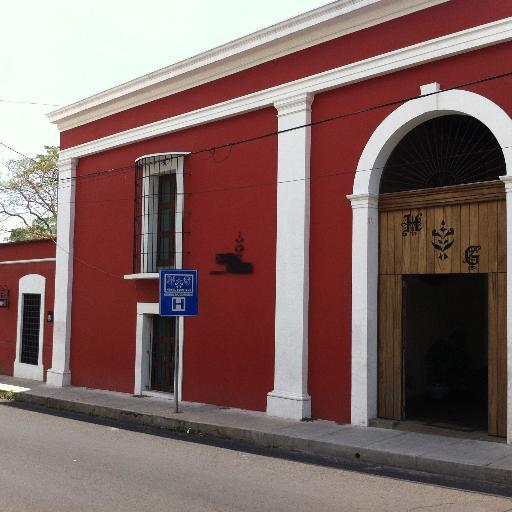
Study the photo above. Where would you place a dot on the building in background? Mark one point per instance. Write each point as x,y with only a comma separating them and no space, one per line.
27,277
340,181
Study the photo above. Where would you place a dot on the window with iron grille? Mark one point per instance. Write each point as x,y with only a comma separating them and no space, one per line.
30,328
158,212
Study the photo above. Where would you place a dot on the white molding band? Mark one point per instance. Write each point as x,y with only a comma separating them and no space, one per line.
290,398
59,374
428,51
325,23
36,284
365,237
35,260
143,333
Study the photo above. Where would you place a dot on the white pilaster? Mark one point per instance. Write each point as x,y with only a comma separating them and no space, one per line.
508,195
365,251
59,374
290,398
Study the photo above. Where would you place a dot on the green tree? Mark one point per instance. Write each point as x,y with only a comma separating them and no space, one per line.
28,196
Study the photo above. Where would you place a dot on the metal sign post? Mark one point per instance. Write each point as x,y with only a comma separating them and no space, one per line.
178,297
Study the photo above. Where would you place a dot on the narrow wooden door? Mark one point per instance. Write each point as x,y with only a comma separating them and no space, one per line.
162,354
390,349
497,354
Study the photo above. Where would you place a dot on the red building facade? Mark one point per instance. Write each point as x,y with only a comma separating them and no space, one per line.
263,139
27,277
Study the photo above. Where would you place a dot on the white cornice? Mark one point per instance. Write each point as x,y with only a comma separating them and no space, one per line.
428,51
34,260
311,28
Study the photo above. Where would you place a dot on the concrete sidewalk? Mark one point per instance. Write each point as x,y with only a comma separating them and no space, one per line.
463,458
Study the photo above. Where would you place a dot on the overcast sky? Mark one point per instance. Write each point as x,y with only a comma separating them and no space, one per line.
59,51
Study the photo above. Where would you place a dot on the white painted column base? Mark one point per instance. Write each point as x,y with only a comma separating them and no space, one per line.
287,405
58,378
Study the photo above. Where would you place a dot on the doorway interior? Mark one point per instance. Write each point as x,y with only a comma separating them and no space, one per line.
162,354
445,330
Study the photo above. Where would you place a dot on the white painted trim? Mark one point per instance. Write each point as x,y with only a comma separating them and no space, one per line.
178,215
59,374
34,284
165,155
428,51
325,23
172,163
148,308
365,238
142,275
143,329
508,194
35,260
290,398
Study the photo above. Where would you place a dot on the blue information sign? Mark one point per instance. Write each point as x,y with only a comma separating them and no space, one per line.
178,292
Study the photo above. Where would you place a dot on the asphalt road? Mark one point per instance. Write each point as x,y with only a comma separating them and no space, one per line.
52,463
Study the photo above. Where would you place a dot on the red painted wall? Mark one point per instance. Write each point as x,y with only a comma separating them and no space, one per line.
229,350
336,149
229,347
10,276
440,20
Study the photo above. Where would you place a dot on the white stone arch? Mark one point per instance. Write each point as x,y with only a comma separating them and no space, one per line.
365,248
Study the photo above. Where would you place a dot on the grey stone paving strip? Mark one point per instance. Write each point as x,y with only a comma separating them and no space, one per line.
463,458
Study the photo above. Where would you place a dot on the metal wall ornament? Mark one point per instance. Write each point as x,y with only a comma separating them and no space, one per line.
411,224
233,260
4,296
472,257
443,239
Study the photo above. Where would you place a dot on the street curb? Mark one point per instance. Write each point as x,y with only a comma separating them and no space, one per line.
339,452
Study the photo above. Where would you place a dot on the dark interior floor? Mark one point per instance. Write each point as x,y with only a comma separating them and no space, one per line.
454,413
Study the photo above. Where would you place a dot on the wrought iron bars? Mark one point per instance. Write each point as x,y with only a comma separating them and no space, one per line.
158,223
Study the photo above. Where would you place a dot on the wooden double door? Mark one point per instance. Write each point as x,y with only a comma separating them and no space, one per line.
436,232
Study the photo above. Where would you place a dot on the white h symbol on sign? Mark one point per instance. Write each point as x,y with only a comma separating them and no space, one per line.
178,304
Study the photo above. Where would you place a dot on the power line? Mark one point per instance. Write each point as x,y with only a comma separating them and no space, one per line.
211,150
350,171
17,152
21,102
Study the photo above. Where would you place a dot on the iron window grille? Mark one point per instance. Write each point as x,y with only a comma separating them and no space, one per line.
158,224
30,328
444,151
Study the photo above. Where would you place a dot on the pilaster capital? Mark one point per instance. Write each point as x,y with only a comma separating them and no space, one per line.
363,201
294,104
67,164
507,180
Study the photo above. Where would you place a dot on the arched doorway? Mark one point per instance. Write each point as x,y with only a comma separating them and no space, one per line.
365,234
442,278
